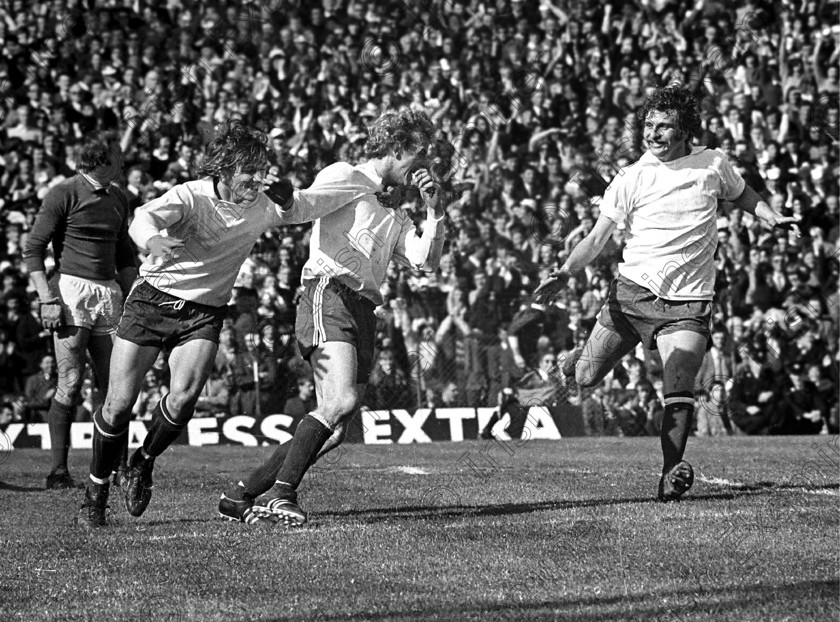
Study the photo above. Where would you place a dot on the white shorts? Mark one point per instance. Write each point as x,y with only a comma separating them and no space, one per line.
95,305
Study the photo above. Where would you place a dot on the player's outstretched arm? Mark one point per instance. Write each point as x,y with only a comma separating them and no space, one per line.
581,256
334,187
752,203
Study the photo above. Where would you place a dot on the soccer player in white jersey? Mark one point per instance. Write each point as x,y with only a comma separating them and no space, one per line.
662,297
197,235
349,254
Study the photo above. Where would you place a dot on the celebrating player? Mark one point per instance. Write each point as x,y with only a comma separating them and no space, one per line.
86,218
662,296
197,234
350,250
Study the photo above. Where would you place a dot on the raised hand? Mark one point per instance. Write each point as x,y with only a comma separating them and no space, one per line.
429,190
280,191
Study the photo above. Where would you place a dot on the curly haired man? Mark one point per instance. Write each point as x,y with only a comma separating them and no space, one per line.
667,202
361,229
197,236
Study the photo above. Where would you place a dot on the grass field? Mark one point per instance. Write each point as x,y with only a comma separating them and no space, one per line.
546,530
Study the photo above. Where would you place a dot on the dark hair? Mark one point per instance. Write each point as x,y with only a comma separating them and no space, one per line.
397,130
647,385
677,98
235,146
93,156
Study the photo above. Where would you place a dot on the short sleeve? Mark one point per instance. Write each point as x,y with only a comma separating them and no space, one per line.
615,204
731,183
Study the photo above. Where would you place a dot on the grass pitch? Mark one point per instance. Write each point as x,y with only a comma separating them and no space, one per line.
543,530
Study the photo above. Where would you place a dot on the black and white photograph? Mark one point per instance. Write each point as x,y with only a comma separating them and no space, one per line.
407,310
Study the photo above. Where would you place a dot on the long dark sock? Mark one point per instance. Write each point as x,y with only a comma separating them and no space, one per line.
59,419
162,432
123,461
676,426
108,441
310,436
494,419
263,477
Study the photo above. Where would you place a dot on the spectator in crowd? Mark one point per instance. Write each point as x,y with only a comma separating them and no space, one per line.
11,366
756,387
214,399
30,335
641,414
388,386
540,387
713,382
40,389
801,409
304,402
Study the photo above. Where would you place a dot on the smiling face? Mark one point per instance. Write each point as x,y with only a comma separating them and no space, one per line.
663,136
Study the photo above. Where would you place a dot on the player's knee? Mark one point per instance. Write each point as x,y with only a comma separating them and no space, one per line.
180,406
117,410
341,406
68,389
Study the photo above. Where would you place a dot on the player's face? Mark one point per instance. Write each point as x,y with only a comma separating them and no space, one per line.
104,175
244,185
663,136
400,170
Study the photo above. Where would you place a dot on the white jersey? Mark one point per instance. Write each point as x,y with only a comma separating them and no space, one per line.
669,210
354,245
217,235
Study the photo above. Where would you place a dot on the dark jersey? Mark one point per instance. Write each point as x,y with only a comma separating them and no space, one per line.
88,229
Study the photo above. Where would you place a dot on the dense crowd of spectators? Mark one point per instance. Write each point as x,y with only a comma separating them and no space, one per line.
539,99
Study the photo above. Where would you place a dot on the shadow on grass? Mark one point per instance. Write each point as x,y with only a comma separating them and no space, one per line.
672,605
761,486
15,488
502,509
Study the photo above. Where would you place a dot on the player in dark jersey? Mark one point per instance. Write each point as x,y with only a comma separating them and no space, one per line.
86,219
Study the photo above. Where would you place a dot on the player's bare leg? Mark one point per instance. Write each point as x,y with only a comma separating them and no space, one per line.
128,367
334,364
70,344
599,355
190,365
682,354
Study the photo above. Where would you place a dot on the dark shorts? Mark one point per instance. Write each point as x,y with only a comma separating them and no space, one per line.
631,309
330,311
153,318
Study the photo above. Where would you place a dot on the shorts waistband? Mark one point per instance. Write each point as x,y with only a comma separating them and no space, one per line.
59,274
174,301
352,293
